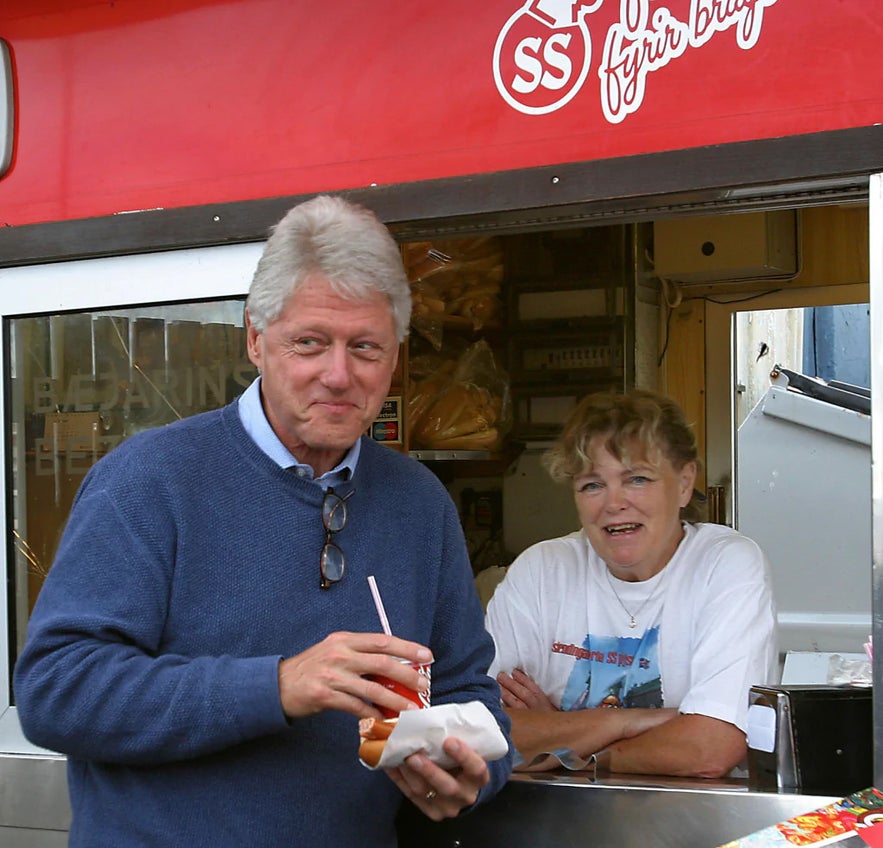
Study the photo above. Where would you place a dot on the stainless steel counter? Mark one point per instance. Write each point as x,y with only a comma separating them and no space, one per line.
572,810
550,810
34,806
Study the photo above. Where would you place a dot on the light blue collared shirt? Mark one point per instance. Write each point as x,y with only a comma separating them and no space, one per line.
251,413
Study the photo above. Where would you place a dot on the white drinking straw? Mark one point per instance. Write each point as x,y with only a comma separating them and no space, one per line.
379,604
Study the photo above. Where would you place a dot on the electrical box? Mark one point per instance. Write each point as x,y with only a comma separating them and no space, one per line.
727,248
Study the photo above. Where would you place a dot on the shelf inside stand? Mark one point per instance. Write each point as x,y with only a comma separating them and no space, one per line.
449,455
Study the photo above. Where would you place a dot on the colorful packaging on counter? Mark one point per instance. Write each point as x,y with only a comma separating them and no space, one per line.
855,821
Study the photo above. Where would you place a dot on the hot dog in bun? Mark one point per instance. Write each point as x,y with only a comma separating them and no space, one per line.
373,733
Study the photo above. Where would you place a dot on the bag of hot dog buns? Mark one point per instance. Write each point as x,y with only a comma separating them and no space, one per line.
454,280
464,409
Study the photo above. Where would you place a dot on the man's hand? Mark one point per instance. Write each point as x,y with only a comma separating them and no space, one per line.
521,692
332,675
441,794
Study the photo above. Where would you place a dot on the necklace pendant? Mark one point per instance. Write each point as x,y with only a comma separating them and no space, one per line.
633,623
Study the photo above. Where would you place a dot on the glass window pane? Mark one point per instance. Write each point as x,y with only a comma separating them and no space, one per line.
83,382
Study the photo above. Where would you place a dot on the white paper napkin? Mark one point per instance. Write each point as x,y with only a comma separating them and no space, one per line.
426,730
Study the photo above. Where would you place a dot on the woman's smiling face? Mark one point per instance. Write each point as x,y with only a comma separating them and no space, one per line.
630,508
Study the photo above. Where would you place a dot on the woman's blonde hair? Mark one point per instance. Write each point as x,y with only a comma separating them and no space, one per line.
638,420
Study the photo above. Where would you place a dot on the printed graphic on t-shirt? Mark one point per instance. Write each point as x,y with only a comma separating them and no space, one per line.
614,671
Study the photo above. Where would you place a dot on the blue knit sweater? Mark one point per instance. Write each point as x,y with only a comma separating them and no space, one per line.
189,567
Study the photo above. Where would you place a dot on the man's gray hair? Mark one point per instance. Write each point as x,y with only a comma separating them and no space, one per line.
343,242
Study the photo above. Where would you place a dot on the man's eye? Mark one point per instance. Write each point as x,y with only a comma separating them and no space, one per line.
306,345
368,350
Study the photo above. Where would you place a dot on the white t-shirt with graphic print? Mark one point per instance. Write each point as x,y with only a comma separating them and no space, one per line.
705,626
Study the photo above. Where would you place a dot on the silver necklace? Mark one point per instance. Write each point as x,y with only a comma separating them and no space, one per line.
633,616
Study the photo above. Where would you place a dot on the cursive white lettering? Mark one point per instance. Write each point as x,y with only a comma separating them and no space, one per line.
708,17
631,53
640,43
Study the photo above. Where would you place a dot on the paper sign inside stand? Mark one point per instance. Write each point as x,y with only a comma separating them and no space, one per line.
426,730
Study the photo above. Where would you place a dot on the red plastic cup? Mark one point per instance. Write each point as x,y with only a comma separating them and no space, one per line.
421,699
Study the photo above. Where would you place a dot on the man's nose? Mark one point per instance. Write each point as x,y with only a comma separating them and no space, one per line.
337,372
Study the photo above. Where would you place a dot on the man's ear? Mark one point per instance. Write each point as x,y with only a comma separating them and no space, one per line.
253,342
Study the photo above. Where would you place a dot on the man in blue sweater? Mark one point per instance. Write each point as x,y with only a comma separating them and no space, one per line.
203,645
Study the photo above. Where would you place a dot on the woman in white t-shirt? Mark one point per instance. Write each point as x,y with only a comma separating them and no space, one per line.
631,645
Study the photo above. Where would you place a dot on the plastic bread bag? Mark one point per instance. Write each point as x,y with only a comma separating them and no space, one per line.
456,279
422,260
428,312
470,412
